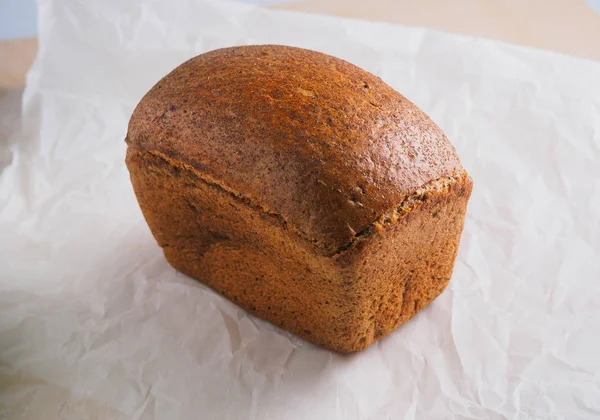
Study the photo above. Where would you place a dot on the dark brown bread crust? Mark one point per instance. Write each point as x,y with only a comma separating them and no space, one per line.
300,187
323,144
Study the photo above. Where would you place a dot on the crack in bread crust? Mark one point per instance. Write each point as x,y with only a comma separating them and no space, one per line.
409,202
345,302
315,139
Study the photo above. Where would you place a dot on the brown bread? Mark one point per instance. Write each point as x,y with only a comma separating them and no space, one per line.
300,187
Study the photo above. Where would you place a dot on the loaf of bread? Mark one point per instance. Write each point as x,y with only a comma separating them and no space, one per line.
302,188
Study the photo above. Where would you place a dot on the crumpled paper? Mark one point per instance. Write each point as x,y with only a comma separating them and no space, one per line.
95,324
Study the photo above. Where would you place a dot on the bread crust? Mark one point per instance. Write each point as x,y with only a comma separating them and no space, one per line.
301,188
322,143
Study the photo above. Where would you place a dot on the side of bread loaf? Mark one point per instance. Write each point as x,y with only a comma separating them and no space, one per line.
300,187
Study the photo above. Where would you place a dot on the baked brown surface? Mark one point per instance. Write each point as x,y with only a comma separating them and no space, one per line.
302,188
314,139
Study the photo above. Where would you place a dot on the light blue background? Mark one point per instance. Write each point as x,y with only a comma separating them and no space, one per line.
18,19
595,4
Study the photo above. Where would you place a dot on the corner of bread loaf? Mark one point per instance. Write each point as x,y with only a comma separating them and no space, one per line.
405,259
457,184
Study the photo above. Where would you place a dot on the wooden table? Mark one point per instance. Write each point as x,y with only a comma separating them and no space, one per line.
567,26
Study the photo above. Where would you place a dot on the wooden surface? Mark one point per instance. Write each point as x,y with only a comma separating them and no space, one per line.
15,59
568,26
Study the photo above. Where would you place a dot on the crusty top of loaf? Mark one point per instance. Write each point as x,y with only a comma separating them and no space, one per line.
321,143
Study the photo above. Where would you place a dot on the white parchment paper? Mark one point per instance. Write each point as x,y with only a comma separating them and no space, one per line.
95,324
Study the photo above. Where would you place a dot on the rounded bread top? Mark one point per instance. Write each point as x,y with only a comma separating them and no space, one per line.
322,144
